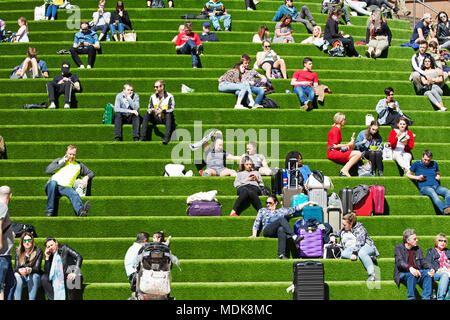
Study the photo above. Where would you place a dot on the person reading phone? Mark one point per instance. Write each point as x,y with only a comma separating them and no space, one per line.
65,83
64,172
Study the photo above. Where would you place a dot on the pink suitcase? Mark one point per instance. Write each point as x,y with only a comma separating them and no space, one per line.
378,199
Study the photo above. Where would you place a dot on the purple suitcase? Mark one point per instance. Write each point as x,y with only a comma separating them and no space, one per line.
312,244
204,208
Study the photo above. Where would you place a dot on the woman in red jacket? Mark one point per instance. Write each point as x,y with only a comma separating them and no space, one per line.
401,141
341,153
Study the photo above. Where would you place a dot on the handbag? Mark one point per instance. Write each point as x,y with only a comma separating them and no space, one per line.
39,13
332,251
387,152
130,36
369,119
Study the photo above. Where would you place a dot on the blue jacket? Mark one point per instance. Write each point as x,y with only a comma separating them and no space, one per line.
91,37
363,147
282,10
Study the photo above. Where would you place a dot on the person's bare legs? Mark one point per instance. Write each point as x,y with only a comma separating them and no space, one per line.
265,171
355,156
268,69
228,172
280,64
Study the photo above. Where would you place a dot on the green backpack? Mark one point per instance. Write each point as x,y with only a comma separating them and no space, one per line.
108,115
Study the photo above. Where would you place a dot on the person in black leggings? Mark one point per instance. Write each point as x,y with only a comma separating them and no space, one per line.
332,33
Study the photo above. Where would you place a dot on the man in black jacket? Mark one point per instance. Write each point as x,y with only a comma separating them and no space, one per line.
64,172
411,267
65,83
61,271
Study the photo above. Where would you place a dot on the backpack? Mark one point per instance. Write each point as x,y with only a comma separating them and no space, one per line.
19,229
269,103
337,49
108,115
359,192
43,105
157,4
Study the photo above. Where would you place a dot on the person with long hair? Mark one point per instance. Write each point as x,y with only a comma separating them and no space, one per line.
22,33
231,81
316,38
27,266
332,33
432,81
283,30
31,67
357,243
443,30
268,60
370,143
378,35
101,20
401,140
262,35
247,183
338,152
439,258
119,22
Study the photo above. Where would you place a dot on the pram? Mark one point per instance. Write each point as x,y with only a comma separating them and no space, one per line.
153,272
6,36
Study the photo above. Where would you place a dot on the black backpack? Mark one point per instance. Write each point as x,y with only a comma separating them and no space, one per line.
19,229
269,103
157,4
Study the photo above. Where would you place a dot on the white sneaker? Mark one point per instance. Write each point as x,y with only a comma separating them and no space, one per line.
239,106
81,67
52,106
249,9
257,106
255,2
66,106
89,66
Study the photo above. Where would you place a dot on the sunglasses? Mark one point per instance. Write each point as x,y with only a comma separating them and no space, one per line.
266,46
27,240
84,29
157,87
442,240
270,202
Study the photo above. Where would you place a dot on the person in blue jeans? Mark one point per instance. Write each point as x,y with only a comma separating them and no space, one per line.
189,42
250,76
426,173
7,280
64,172
52,10
357,244
439,258
217,12
27,269
411,268
305,82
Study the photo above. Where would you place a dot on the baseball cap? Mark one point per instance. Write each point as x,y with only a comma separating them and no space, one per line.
206,24
65,66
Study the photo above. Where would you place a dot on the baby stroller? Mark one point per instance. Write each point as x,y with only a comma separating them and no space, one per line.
153,272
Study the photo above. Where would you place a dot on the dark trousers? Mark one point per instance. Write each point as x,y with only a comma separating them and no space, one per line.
90,51
72,294
375,158
280,229
54,90
126,118
247,193
168,121
349,46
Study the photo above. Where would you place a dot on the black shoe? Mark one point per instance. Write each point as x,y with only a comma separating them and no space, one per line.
283,257
396,10
341,174
165,142
83,211
297,238
50,214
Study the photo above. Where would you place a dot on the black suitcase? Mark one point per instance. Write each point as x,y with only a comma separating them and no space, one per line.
277,182
346,195
309,280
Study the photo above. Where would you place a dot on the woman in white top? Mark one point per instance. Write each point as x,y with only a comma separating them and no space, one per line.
316,38
268,59
432,82
263,34
22,33
101,20
401,141
283,30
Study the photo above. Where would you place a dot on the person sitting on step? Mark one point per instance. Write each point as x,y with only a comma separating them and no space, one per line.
231,81
288,8
370,143
65,83
269,60
85,42
126,107
216,11
378,35
32,67
189,42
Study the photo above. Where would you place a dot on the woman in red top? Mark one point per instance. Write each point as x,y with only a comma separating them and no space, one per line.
401,141
341,153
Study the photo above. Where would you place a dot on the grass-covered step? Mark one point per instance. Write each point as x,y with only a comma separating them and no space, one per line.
167,47
231,247
335,290
155,167
335,101
154,150
291,132
211,226
150,35
210,115
206,85
107,60
236,270
141,186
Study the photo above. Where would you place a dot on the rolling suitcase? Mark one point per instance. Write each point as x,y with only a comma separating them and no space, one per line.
288,194
378,199
333,216
312,244
313,212
298,199
204,208
346,195
319,196
277,182
365,206
308,280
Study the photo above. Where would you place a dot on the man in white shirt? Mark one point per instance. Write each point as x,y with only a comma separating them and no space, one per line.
131,258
